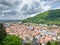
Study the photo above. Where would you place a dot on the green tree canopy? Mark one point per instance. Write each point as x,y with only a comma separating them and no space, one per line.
11,40
54,43
48,17
48,43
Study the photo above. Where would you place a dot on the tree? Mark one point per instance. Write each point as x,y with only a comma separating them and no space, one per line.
54,43
12,40
2,32
40,44
48,43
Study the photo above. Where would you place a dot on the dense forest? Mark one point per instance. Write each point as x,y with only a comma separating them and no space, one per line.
48,17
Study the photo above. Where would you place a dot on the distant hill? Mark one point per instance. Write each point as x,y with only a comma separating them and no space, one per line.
48,17
10,21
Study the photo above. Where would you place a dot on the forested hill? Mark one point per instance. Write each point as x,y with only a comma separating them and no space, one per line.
48,17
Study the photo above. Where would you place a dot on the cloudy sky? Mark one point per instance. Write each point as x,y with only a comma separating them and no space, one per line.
21,9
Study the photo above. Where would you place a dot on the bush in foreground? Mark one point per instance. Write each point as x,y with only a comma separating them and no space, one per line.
11,40
48,43
54,43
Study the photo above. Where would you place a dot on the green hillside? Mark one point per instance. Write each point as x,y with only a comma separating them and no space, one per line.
48,17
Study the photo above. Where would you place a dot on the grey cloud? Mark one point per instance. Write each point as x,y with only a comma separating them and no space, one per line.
10,2
32,9
24,8
16,11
